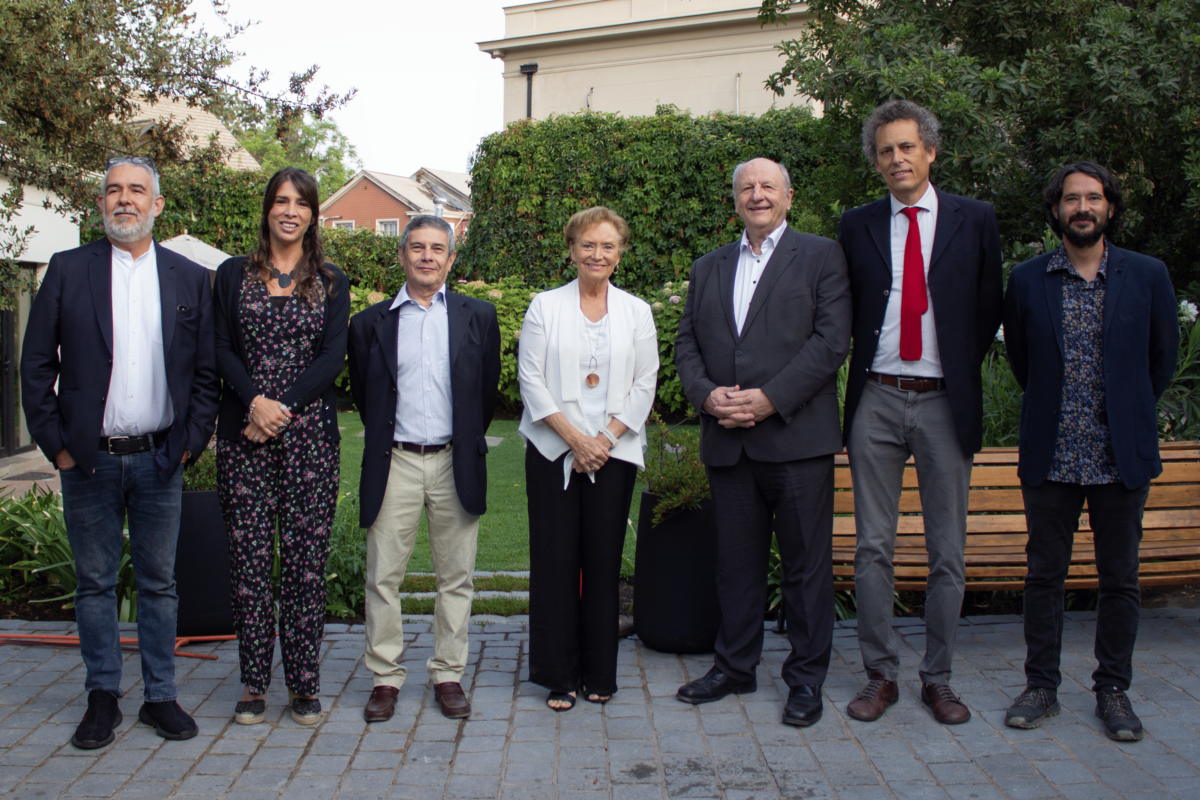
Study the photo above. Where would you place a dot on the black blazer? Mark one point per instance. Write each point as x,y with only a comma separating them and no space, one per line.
69,340
474,380
1141,346
967,292
317,380
797,334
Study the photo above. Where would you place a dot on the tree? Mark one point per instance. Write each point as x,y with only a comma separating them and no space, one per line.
1021,87
316,145
71,75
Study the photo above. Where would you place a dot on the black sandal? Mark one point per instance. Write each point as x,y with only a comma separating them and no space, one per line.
599,698
560,697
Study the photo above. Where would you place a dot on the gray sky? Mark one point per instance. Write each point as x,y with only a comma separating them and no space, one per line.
426,93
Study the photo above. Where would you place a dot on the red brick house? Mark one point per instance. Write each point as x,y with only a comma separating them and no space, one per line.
385,203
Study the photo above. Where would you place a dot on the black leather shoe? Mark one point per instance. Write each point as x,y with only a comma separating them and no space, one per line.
804,706
712,687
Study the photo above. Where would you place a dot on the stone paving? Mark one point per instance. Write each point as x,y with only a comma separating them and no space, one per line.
644,744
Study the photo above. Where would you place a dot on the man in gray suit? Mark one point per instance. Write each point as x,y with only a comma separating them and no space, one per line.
765,328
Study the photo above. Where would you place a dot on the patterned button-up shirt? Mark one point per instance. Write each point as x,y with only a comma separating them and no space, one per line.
1083,453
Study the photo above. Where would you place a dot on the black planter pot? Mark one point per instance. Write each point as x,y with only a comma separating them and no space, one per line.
202,568
675,580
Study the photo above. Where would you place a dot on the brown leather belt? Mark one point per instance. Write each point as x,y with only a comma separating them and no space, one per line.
422,449
909,384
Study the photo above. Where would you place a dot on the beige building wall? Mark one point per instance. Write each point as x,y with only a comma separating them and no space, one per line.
629,56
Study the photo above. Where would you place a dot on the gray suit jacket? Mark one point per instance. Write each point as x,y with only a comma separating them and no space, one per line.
796,336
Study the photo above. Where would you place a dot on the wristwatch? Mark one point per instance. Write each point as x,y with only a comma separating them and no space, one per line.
612,439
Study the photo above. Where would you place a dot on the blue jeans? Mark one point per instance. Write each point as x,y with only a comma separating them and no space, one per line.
95,508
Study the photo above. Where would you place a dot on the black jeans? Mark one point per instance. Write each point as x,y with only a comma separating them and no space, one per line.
1052,515
573,633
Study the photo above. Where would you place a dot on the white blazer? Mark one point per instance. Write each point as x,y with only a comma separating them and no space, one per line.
548,368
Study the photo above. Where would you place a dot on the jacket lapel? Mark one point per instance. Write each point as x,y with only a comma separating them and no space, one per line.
1054,282
1114,279
777,264
948,221
880,228
387,329
726,273
100,276
459,316
167,293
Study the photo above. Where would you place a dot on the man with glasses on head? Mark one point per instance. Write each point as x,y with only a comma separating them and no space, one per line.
119,351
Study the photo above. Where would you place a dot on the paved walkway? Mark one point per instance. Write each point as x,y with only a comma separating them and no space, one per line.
644,744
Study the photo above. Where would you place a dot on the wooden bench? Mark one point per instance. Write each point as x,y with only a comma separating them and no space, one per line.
996,534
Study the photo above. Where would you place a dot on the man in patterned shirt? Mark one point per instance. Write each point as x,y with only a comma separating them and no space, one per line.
1092,335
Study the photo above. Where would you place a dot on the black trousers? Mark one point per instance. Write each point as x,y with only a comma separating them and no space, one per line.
1052,514
795,499
573,638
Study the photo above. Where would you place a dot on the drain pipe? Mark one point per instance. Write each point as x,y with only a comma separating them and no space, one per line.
527,70
737,94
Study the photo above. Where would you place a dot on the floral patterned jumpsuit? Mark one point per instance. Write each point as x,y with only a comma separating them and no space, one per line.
289,484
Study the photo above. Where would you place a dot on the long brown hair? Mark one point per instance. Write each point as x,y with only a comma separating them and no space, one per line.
312,264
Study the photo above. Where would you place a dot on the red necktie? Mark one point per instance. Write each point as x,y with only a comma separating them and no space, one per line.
913,301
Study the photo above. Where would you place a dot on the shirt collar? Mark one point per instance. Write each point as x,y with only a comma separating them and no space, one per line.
126,259
402,296
1059,261
928,201
773,237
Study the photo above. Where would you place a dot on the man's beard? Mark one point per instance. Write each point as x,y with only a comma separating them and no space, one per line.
1089,238
127,232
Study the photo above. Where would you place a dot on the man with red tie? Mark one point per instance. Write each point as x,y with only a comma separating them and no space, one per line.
928,299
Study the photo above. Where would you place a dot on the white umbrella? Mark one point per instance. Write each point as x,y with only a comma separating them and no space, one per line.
190,247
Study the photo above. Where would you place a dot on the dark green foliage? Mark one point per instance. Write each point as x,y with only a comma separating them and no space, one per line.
346,567
673,472
668,175
202,476
1021,87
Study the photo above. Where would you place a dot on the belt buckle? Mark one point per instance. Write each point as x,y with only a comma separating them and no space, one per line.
112,439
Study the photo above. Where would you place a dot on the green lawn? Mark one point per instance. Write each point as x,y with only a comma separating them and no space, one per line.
504,530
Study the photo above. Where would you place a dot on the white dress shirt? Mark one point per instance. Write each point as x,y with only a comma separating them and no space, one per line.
423,408
138,401
750,268
887,354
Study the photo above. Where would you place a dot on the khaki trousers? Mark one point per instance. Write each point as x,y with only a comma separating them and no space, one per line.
415,482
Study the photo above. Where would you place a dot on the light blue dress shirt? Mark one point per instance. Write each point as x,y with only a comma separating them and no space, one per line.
423,408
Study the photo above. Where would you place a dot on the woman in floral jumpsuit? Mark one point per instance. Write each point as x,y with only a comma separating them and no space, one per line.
281,317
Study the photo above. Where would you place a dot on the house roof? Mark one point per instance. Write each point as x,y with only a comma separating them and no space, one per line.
412,191
199,123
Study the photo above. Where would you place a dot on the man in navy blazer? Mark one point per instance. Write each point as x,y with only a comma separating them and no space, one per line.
119,353
1092,333
424,371
926,283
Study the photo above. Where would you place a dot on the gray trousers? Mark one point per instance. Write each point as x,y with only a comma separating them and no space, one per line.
889,426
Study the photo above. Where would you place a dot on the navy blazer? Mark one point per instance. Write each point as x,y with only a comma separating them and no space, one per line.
796,336
315,383
69,340
965,285
1141,347
474,381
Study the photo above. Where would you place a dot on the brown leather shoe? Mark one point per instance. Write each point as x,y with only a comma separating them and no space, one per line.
948,708
382,704
874,698
452,699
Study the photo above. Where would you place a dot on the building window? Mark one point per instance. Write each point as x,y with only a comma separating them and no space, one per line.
348,225
387,227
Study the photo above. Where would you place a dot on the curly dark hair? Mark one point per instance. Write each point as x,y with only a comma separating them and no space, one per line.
893,111
313,264
1112,193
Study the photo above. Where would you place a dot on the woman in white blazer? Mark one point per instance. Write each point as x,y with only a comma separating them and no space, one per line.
588,365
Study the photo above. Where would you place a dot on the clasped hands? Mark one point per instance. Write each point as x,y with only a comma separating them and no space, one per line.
735,407
590,452
268,418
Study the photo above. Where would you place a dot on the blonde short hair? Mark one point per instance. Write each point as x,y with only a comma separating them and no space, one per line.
582,220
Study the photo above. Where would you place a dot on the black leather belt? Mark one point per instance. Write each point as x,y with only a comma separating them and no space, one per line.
909,384
422,449
128,445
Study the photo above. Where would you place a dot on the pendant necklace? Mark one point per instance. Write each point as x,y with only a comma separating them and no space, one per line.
284,279
593,379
